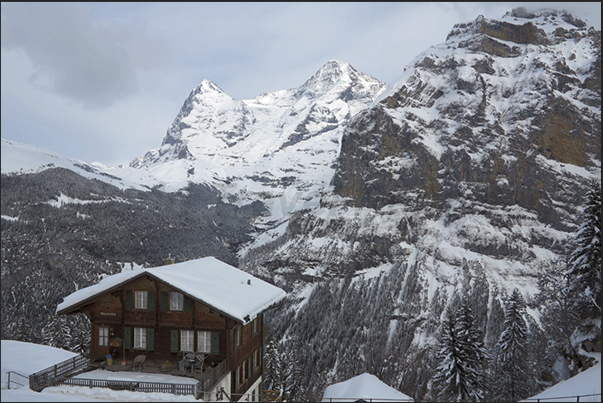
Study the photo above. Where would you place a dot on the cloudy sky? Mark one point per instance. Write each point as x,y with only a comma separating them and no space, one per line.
104,81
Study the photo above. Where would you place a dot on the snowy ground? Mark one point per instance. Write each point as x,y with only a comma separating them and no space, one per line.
27,358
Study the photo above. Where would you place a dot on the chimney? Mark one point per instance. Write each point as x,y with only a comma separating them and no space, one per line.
169,260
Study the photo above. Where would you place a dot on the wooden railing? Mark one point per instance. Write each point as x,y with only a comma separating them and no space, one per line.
210,379
58,374
54,375
206,382
135,386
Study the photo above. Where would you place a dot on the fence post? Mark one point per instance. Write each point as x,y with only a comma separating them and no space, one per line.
577,398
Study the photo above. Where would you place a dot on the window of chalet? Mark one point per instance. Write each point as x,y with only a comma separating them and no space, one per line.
256,360
204,342
241,373
255,326
238,336
187,340
103,336
176,301
144,338
140,338
142,300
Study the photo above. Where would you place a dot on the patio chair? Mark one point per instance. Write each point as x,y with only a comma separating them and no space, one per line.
188,361
200,361
139,360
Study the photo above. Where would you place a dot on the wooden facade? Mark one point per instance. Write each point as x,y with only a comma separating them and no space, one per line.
148,316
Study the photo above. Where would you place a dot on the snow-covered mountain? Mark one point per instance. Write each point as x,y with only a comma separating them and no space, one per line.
19,159
281,144
378,207
464,178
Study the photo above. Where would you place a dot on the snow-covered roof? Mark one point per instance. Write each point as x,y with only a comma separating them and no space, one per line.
586,384
364,386
209,280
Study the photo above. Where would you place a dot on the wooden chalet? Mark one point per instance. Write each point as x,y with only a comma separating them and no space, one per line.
202,306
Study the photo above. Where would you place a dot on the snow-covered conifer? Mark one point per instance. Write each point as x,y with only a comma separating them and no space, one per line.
23,332
57,333
460,375
449,377
283,371
584,267
514,378
559,314
474,352
80,343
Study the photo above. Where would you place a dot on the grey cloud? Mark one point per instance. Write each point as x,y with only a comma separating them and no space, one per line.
95,63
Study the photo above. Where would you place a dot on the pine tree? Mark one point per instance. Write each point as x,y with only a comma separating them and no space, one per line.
584,267
80,342
559,315
56,333
23,330
460,375
283,371
514,377
476,355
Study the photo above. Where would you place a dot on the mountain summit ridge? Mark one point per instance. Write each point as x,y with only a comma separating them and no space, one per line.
279,142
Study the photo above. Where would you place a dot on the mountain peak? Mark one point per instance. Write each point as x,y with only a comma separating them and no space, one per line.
332,71
337,76
547,14
207,87
207,94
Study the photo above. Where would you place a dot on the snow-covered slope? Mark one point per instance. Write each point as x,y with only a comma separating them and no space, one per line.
18,159
278,145
464,178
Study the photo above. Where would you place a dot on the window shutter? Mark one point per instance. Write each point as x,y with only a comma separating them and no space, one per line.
127,337
174,340
215,343
152,303
150,339
242,334
129,299
165,301
188,304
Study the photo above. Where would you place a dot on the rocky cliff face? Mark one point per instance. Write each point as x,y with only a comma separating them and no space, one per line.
471,122
461,180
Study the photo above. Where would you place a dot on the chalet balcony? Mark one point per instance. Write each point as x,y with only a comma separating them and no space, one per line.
208,376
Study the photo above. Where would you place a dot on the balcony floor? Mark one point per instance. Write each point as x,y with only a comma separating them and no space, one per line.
151,367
